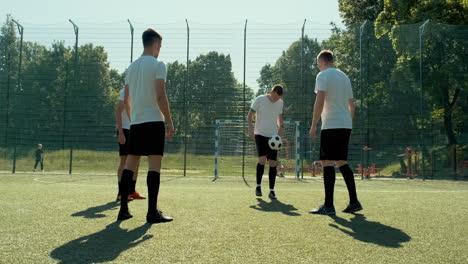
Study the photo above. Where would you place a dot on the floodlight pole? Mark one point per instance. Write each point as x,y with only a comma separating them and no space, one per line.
421,32
131,45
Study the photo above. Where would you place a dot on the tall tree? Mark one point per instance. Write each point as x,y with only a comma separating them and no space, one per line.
356,12
444,53
290,71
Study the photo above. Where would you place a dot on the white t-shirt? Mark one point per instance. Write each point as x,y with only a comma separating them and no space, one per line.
140,79
267,115
338,92
125,120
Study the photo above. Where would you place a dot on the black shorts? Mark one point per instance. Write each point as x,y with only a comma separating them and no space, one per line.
263,149
334,144
147,139
123,148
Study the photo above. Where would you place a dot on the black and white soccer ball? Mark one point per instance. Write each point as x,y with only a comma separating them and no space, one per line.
275,142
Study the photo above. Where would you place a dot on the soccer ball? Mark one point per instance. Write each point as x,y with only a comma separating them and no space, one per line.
275,142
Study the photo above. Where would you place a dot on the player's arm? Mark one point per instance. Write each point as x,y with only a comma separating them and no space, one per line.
163,103
280,125
118,120
250,122
127,105
351,107
318,109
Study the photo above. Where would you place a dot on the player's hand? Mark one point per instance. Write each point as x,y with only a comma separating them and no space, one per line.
251,133
170,131
121,138
281,132
313,133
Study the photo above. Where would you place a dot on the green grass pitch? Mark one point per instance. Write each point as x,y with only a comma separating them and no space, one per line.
49,218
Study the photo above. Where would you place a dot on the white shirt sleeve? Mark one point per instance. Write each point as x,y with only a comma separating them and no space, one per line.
161,71
320,83
255,104
281,110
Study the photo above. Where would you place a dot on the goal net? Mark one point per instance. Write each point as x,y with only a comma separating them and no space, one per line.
235,153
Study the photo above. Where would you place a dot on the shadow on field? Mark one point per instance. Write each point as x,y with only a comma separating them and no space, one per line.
275,206
103,246
371,232
96,212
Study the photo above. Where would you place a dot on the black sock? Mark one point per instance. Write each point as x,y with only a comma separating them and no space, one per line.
272,177
349,180
132,190
125,185
120,187
153,180
329,183
260,169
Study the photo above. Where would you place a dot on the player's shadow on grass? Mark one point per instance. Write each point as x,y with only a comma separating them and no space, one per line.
96,211
371,232
275,206
103,246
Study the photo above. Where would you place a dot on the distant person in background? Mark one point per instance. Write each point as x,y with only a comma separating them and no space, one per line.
39,157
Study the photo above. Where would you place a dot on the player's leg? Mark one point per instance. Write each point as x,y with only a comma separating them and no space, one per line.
272,156
329,177
126,183
327,152
261,144
153,180
134,194
119,174
348,177
42,165
346,171
35,165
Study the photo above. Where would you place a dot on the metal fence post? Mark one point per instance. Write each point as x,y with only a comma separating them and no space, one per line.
421,32
244,112
131,35
75,75
184,110
303,142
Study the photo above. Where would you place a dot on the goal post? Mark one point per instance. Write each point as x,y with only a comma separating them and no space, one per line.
231,141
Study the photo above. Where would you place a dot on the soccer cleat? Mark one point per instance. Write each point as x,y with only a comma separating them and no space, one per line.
272,195
323,210
158,217
124,215
258,191
353,207
136,195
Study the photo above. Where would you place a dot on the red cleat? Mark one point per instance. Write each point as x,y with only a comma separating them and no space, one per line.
136,195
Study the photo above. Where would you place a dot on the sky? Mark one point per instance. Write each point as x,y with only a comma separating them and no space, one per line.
214,25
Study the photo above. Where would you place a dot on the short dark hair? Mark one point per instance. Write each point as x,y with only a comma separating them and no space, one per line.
326,55
278,89
150,36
